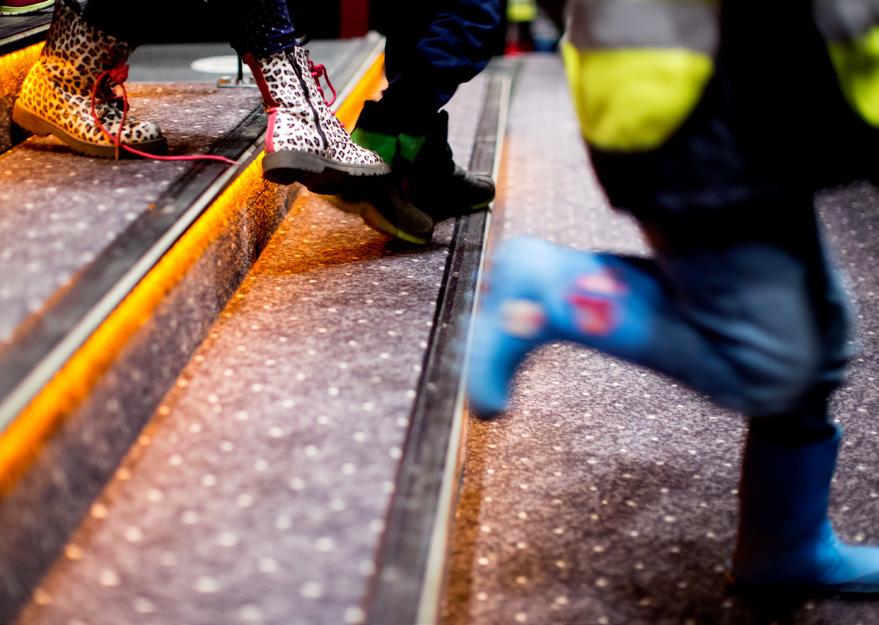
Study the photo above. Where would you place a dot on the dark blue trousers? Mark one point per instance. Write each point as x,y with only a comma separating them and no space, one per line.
433,46
259,27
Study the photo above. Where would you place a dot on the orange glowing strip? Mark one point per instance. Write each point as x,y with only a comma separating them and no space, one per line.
368,86
23,439
21,442
14,67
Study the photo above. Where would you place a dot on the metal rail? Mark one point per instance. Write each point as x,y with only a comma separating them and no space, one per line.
411,561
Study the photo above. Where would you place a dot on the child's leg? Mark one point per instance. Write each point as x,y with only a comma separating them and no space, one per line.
262,27
57,93
789,461
432,48
305,142
742,320
259,27
758,286
758,324
784,535
123,20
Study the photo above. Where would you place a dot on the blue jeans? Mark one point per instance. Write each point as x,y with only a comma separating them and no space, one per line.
746,310
752,314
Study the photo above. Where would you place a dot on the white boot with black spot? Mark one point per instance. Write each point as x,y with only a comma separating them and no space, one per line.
305,142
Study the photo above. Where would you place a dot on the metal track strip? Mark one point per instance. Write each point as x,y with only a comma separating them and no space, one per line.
411,561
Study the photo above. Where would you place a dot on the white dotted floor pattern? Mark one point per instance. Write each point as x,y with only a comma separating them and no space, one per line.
60,209
258,492
608,494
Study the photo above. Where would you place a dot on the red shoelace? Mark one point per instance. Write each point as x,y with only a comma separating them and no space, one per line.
318,72
119,75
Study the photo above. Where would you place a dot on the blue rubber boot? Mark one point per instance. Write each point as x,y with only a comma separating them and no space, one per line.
785,538
538,292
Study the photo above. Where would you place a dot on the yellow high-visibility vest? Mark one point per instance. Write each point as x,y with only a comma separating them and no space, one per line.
638,68
521,10
851,29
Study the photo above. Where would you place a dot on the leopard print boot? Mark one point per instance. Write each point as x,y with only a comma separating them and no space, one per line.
305,142
57,92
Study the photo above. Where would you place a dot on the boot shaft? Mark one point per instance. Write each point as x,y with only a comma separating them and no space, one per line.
76,53
787,488
538,292
785,536
286,81
300,120
783,495
56,96
293,105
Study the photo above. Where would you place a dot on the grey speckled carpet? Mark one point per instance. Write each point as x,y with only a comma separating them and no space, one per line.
607,495
258,492
59,210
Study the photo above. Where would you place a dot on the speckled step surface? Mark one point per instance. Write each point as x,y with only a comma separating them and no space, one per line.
607,495
15,28
258,492
74,228
127,202
60,210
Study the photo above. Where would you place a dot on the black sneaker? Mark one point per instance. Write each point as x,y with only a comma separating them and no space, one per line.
437,185
457,193
383,208
430,178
